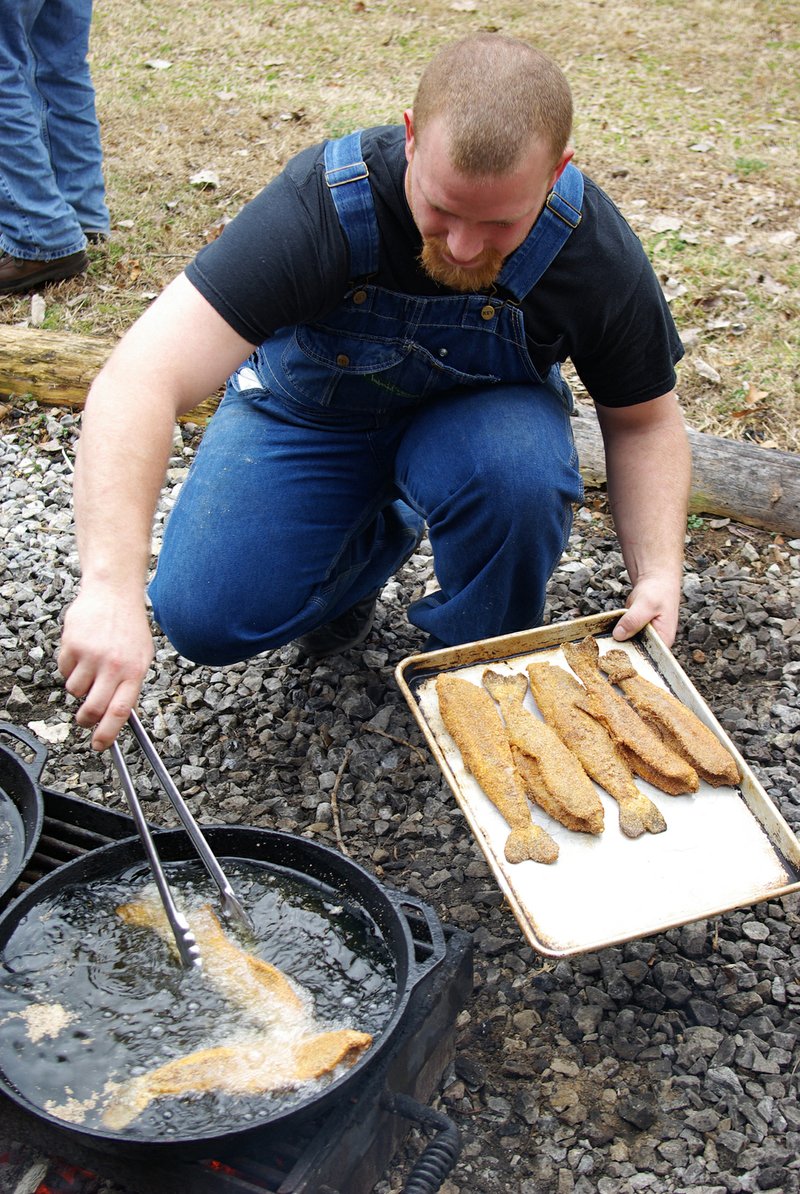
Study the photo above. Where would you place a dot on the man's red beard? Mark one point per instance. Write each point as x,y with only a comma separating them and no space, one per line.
478,277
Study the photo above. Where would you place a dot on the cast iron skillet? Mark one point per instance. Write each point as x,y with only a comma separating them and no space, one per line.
19,784
307,862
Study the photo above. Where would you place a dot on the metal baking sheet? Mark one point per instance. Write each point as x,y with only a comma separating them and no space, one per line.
723,848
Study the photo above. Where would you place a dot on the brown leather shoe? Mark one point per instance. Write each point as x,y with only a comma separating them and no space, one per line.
18,275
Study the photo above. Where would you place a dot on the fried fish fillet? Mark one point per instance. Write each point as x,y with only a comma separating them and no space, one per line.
254,1067
471,719
559,696
555,779
681,729
645,751
247,981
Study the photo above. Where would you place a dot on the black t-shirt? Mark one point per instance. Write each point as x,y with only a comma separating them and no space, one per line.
284,260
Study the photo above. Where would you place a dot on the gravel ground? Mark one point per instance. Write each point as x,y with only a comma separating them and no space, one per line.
666,1064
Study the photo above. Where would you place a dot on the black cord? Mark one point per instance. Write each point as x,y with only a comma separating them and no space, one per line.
441,1154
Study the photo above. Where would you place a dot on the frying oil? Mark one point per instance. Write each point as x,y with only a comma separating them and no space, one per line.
88,1002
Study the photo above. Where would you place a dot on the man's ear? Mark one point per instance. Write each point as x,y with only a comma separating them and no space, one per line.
408,120
564,161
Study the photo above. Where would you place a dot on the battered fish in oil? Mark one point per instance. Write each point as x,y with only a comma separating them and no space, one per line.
680,728
239,976
560,698
471,719
291,1049
246,1068
644,750
555,779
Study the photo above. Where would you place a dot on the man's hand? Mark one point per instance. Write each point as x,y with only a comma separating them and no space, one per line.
106,650
654,600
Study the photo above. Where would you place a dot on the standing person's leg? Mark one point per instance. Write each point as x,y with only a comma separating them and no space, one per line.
285,521
36,222
495,473
60,45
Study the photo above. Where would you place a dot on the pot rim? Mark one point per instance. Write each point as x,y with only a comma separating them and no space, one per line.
19,781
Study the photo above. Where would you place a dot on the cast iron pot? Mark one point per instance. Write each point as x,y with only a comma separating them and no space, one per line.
306,861
19,783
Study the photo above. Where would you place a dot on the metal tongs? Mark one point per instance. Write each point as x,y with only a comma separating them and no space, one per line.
188,948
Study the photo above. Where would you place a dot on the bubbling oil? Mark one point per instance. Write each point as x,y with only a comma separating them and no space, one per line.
118,1004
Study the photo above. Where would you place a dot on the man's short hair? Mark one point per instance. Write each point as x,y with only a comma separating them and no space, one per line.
496,96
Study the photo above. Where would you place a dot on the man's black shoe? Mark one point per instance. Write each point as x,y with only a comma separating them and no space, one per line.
348,630
18,276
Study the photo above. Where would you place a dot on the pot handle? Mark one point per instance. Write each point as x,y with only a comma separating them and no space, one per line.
433,953
35,766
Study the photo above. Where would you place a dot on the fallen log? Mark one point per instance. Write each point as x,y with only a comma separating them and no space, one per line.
57,368
730,479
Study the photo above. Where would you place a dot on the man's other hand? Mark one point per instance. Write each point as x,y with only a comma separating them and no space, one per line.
654,600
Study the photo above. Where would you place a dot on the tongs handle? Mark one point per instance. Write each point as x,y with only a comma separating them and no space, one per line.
231,906
188,948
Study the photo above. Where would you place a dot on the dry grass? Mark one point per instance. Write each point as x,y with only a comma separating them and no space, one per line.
686,113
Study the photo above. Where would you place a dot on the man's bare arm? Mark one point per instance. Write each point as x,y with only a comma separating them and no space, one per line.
177,354
648,470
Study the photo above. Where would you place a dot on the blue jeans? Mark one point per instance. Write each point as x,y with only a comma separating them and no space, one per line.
290,515
51,180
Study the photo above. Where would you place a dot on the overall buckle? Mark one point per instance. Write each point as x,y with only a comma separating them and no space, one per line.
570,214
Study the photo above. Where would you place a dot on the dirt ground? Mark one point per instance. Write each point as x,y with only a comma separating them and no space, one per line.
686,112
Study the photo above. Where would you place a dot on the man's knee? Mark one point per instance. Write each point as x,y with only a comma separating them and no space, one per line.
513,490
198,629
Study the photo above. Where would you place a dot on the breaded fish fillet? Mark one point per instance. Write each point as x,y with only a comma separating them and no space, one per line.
559,696
681,729
645,751
252,1067
472,720
559,783
247,981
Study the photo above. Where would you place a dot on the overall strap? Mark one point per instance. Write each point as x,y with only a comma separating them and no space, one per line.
347,177
560,216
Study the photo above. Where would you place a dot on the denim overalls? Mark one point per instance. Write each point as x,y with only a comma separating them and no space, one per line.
338,441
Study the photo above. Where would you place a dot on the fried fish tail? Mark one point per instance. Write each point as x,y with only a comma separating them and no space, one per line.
638,814
617,666
530,844
470,717
681,729
507,690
